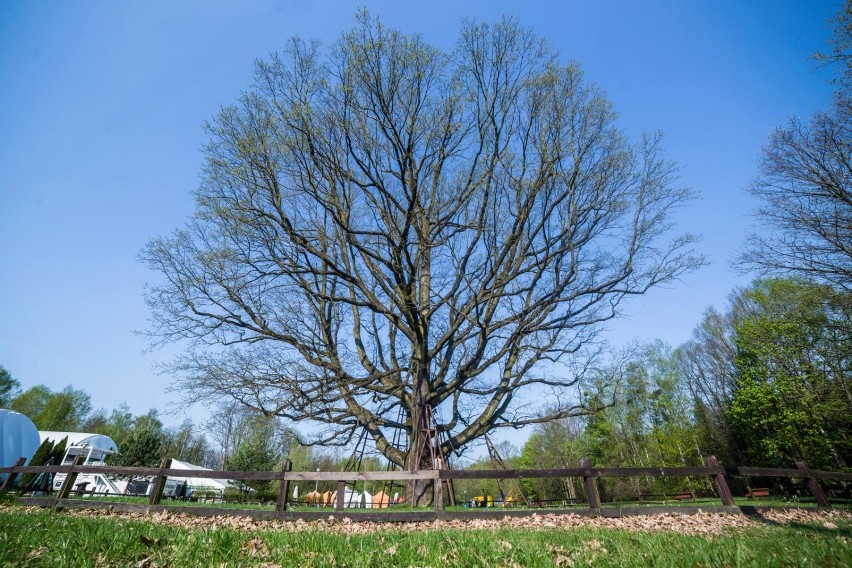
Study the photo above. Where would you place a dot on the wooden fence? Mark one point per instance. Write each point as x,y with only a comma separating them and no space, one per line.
588,474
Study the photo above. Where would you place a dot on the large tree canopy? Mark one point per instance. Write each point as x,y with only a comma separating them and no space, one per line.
770,376
61,410
794,388
385,225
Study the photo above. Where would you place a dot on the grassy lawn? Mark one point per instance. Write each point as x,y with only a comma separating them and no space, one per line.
32,537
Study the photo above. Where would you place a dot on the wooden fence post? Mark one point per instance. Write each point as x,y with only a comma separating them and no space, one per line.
341,495
284,487
10,478
591,485
439,493
722,488
813,485
159,483
70,479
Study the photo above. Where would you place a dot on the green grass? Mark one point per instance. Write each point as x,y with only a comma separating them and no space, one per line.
46,538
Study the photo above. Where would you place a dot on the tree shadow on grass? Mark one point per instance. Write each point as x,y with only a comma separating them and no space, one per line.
816,527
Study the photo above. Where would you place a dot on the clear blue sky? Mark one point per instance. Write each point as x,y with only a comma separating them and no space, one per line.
101,105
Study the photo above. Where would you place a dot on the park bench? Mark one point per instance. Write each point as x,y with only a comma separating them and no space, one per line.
754,493
663,497
545,503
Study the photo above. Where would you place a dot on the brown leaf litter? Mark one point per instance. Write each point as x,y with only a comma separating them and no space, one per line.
706,524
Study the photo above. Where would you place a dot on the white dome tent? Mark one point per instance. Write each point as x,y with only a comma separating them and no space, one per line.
18,438
95,446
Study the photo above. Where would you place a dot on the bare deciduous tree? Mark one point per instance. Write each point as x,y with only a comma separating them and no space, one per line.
805,187
840,44
390,226
707,364
806,200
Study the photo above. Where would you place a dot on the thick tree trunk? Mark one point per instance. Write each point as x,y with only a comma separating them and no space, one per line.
420,493
421,451
420,454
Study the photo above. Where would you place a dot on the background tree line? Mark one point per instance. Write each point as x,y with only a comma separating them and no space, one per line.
233,438
764,382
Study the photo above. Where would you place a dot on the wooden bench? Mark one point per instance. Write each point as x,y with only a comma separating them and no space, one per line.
754,493
661,497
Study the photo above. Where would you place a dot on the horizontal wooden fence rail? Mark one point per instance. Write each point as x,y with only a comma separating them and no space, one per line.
435,474
790,473
235,475
717,473
580,472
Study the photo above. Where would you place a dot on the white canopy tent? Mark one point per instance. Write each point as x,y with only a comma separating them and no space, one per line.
205,483
351,499
82,439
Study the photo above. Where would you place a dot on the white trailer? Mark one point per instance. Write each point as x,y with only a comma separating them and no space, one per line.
94,448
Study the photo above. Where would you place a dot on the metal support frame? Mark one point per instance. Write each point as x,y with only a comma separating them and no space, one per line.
428,438
497,463
396,442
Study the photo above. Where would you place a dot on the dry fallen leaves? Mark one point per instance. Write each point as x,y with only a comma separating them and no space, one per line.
703,524
35,553
255,547
594,545
595,548
561,556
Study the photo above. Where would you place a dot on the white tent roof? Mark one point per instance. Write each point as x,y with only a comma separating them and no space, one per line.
198,482
97,441
18,438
